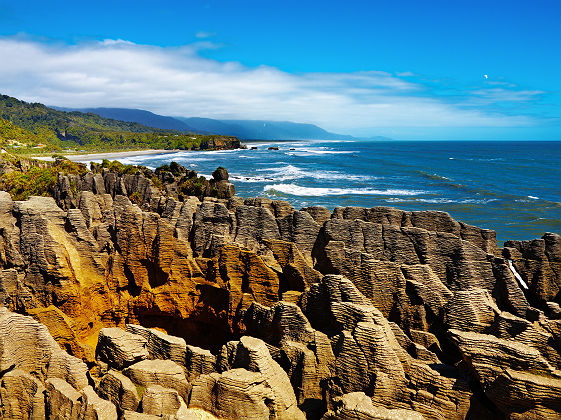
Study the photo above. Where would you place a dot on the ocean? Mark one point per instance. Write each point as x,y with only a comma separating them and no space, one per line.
513,188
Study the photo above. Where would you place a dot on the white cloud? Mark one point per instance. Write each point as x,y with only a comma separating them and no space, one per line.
180,82
204,34
116,42
505,95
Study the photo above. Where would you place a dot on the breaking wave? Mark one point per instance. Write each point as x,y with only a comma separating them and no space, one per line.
293,189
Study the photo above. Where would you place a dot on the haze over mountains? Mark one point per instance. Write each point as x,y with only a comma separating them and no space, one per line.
243,129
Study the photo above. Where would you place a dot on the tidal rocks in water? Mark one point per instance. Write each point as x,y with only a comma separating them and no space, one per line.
220,174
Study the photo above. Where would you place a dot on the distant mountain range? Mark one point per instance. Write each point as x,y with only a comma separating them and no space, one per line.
148,118
263,129
243,129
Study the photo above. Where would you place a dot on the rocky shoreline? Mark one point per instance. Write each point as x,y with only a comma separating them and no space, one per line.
268,311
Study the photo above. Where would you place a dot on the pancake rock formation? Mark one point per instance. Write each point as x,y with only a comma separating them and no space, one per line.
183,307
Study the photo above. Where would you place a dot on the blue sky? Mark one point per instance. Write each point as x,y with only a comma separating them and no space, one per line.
403,69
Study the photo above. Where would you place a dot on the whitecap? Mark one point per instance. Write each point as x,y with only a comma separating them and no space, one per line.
253,179
220,152
291,172
533,197
440,200
304,152
331,141
294,189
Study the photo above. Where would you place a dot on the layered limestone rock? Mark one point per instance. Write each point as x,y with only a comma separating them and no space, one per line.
140,184
120,390
158,401
251,385
538,262
250,308
21,396
370,358
160,345
357,406
159,372
252,354
27,345
305,353
119,348
234,394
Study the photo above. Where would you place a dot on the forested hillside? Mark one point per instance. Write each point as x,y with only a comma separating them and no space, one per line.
33,127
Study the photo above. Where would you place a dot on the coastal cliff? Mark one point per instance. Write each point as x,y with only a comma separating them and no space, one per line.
270,312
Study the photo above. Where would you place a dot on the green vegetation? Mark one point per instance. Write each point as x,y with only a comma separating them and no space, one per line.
192,184
23,177
36,181
135,198
29,178
175,168
189,183
36,128
118,167
12,136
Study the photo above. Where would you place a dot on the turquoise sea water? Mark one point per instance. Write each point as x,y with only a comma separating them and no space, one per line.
511,187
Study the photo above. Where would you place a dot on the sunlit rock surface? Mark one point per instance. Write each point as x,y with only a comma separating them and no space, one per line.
235,308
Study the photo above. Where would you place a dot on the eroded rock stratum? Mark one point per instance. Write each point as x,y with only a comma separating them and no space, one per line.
252,309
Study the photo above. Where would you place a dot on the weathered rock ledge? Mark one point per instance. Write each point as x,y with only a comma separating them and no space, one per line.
268,311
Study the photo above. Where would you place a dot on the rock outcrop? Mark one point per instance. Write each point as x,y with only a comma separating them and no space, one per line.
140,184
126,297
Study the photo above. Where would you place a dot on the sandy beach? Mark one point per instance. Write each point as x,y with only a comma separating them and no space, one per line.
107,155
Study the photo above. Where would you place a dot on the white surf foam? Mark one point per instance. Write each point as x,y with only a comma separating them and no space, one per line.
290,172
252,179
294,189
441,200
319,151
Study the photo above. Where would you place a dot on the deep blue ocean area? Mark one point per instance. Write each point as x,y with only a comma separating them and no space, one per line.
511,187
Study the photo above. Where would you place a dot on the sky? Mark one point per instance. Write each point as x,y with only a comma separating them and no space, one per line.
403,69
